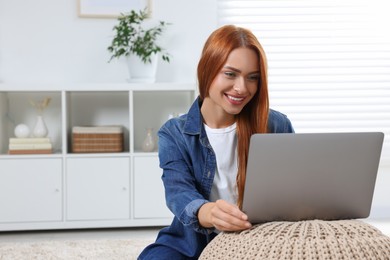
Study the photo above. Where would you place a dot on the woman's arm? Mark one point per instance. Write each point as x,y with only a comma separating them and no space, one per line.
181,185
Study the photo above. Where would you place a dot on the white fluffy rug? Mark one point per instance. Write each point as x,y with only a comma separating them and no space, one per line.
77,249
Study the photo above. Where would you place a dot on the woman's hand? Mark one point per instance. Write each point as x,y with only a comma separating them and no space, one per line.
223,216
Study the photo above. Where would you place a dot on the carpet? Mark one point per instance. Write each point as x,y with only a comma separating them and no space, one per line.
75,249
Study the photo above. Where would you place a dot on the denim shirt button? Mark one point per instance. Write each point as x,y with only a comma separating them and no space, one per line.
208,174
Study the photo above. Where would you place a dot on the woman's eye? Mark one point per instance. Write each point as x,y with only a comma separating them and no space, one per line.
230,74
254,77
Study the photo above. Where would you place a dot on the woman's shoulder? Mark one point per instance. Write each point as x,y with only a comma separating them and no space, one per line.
276,115
279,122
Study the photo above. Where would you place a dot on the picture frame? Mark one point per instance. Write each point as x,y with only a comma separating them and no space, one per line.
110,8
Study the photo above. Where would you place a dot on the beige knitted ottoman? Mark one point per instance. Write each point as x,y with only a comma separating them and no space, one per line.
314,239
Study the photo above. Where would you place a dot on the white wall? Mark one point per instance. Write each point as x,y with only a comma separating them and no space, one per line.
381,201
44,41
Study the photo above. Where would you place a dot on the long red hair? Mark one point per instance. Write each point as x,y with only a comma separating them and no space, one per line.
254,116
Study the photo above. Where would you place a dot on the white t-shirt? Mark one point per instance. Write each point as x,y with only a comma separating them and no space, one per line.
224,143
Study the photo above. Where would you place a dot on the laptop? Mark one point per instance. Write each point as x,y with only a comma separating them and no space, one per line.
327,176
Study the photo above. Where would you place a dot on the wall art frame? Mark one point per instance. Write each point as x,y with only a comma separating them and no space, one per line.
110,8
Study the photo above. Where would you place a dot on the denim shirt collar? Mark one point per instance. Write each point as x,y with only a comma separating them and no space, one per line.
194,121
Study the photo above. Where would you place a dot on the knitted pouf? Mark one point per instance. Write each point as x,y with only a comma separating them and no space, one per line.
314,239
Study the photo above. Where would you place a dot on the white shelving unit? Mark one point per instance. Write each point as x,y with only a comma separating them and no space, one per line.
66,190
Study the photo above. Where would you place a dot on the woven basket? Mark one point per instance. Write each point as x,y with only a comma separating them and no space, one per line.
97,139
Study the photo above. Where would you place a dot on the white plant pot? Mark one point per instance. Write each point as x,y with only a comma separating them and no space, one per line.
141,72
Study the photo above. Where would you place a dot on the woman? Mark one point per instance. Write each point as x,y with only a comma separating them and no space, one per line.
203,154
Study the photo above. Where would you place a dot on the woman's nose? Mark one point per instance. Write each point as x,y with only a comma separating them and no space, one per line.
240,86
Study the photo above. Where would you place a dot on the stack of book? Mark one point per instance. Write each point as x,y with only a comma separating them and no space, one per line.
97,139
30,146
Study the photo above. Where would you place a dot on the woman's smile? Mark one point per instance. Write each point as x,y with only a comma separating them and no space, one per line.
234,99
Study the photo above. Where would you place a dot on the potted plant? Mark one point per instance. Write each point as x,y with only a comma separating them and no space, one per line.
137,44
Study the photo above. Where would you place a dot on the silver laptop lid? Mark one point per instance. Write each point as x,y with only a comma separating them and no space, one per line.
311,176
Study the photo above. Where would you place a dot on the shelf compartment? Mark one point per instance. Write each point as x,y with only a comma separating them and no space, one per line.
15,109
153,108
98,108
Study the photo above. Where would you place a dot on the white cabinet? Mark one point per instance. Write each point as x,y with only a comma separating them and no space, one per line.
97,188
147,181
71,190
30,190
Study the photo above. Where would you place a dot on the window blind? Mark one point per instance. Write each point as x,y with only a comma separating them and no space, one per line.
329,61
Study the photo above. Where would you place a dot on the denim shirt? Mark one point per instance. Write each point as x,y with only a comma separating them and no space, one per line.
189,165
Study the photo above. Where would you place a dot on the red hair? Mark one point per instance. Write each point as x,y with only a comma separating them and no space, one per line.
254,116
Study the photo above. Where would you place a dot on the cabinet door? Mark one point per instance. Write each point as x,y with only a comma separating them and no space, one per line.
30,190
149,195
98,188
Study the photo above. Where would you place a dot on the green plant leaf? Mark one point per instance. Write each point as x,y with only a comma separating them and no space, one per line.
131,38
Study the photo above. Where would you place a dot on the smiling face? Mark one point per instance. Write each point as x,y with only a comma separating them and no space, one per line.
233,87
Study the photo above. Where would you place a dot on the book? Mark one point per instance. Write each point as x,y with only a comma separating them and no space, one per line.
30,146
28,140
32,151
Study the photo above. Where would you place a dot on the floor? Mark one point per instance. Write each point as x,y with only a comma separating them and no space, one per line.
116,233
79,234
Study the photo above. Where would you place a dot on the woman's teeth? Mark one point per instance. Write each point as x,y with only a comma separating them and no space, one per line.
235,98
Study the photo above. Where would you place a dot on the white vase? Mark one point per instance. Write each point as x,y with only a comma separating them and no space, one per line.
40,128
140,71
148,143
